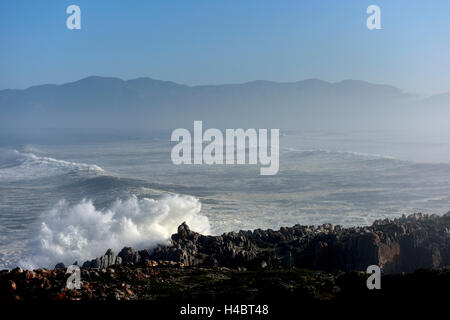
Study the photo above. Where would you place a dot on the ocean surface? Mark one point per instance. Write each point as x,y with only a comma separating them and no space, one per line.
68,195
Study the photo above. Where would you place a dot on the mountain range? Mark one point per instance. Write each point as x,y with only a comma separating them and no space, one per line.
105,102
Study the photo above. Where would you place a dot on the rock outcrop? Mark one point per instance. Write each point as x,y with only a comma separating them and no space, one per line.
303,263
400,245
170,282
108,259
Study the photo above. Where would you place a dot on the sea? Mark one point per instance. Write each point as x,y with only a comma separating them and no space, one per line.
68,195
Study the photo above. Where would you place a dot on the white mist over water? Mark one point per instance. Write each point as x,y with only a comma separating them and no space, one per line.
81,232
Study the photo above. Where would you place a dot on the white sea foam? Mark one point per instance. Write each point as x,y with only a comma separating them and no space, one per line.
17,166
82,232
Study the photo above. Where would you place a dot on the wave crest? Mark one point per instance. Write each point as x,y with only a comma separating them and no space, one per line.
313,152
17,166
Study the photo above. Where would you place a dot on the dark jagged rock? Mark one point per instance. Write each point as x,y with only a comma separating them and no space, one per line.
171,282
128,254
108,259
60,265
400,245
17,270
303,263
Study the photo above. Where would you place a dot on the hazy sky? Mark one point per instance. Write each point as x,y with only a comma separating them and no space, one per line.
227,41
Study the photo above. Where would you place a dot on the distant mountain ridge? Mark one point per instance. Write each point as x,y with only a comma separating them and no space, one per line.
148,103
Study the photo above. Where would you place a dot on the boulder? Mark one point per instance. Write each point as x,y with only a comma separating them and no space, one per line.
108,259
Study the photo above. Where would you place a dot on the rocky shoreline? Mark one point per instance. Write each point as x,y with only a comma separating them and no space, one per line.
311,263
400,245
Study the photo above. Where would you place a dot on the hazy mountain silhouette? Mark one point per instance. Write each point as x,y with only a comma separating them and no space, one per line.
102,102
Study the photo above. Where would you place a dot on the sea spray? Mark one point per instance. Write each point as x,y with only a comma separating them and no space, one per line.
81,232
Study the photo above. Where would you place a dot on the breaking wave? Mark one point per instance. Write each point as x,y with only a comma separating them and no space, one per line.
82,232
18,166
312,152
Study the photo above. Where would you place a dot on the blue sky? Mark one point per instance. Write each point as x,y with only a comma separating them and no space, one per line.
212,42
